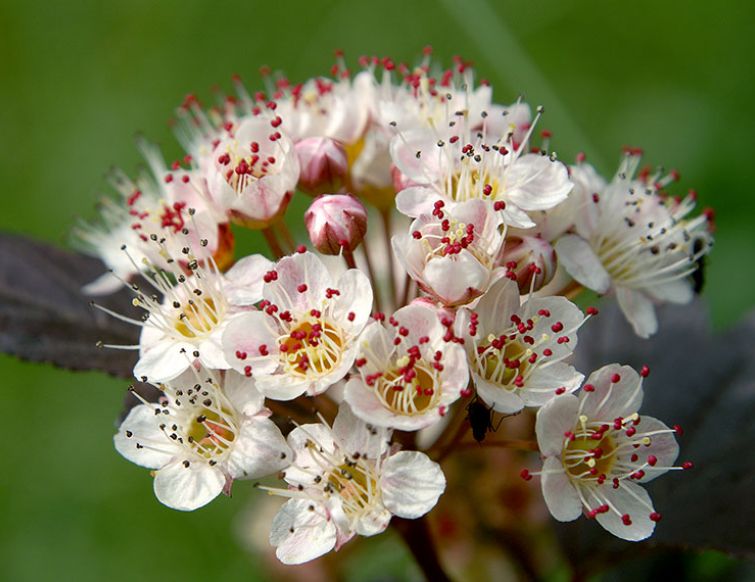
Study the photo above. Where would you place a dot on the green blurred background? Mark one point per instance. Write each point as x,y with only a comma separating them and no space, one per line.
79,78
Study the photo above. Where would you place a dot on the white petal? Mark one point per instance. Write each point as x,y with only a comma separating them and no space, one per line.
411,484
497,305
639,311
188,488
243,393
560,495
246,333
258,450
294,271
663,446
244,281
679,291
625,501
281,387
541,385
553,420
313,534
580,261
502,400
164,360
147,446
356,298
211,353
611,400
354,436
424,168
535,182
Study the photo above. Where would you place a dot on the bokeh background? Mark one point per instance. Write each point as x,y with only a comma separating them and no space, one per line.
78,79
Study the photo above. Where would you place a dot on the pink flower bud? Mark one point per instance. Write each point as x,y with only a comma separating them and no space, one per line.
528,258
323,164
335,222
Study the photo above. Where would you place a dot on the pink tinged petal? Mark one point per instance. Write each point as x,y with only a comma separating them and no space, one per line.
373,523
456,279
242,340
299,534
188,488
279,387
639,311
609,400
554,419
242,393
560,495
662,446
147,445
416,200
354,436
258,450
580,261
352,308
411,484
422,321
164,360
244,281
534,182
632,500
293,272
502,400
455,375
546,382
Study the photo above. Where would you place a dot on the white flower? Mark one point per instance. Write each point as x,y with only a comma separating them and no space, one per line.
169,206
597,450
254,171
467,165
516,353
347,480
411,370
452,254
189,321
206,431
637,243
304,339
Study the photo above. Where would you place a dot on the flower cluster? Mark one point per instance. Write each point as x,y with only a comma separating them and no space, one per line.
449,242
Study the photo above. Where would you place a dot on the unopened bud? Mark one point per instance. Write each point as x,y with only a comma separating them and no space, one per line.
323,165
531,260
335,222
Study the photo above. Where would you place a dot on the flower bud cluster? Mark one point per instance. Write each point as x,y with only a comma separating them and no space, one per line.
459,292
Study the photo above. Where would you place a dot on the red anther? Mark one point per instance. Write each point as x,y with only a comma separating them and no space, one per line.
644,371
581,157
631,431
403,331
417,235
378,316
546,133
302,288
263,350
465,392
560,390
678,429
185,178
615,379
655,516
591,311
442,410
351,316
359,362
547,352
686,465
563,340
588,388
652,460
626,520
168,178
499,205
525,474
557,327
634,457
424,339
544,313
487,189
596,198
248,371
301,249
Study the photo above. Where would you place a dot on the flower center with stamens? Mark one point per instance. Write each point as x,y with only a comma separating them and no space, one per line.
312,348
588,457
356,484
244,164
209,433
503,362
198,318
408,390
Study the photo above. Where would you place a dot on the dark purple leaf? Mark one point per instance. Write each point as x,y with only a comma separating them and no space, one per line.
705,382
44,316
